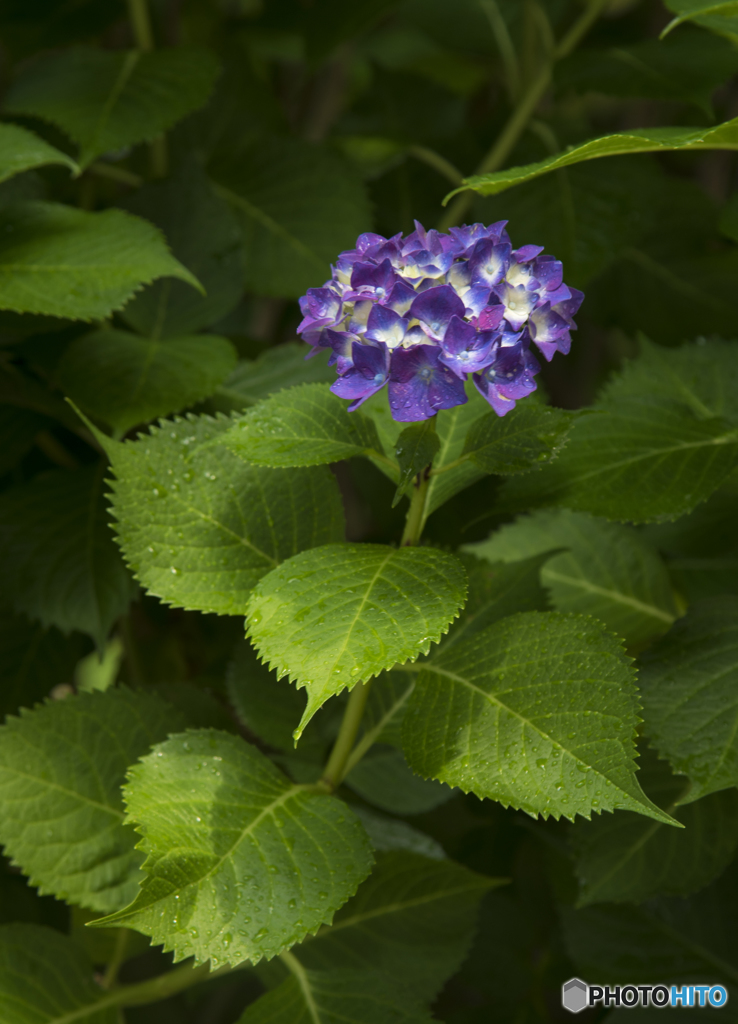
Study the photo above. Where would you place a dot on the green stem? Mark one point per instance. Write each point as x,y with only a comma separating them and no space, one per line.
121,942
437,162
144,992
504,45
335,770
55,450
138,13
416,513
120,174
522,113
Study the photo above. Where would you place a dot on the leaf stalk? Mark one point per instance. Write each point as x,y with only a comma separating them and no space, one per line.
336,768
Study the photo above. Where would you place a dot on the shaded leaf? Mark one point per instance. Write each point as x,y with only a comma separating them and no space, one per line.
199,527
303,426
64,262
280,367
637,140
259,862
30,952
18,430
608,570
335,997
720,16
21,150
638,460
62,766
124,379
35,660
413,919
376,606
108,99
59,562
538,712
298,205
624,858
415,450
690,700
387,834
205,237
452,430
383,779
526,437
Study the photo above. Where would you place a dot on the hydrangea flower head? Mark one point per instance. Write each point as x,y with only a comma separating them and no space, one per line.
424,313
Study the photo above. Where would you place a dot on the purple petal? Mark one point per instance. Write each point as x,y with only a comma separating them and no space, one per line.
435,307
550,331
570,306
386,326
341,342
508,378
401,297
420,384
367,375
527,252
518,302
320,307
466,350
369,281
489,262
490,318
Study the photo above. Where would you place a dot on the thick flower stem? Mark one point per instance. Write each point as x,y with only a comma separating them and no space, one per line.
416,513
138,13
522,113
335,770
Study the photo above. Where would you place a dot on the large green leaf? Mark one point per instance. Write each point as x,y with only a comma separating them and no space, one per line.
46,977
63,262
206,238
108,99
34,660
61,812
537,711
624,858
280,367
20,150
240,863
637,460
413,919
342,613
59,563
525,438
199,527
299,205
124,379
636,140
302,426
690,696
720,16
336,997
608,570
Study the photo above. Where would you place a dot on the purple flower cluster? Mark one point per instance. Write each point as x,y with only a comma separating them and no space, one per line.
423,313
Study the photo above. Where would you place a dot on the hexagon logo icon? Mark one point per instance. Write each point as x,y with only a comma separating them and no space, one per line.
574,995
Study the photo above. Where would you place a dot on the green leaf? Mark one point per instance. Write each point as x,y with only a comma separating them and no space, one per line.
690,698
452,427
387,834
303,426
205,236
34,660
637,140
46,977
280,367
608,570
106,100
259,862
413,920
415,450
21,150
271,708
63,262
59,563
721,17
526,437
637,460
538,712
199,527
383,779
298,204
61,813
124,379
624,858
375,605
335,997
385,706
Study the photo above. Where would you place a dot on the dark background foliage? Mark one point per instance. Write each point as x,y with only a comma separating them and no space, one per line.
324,119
